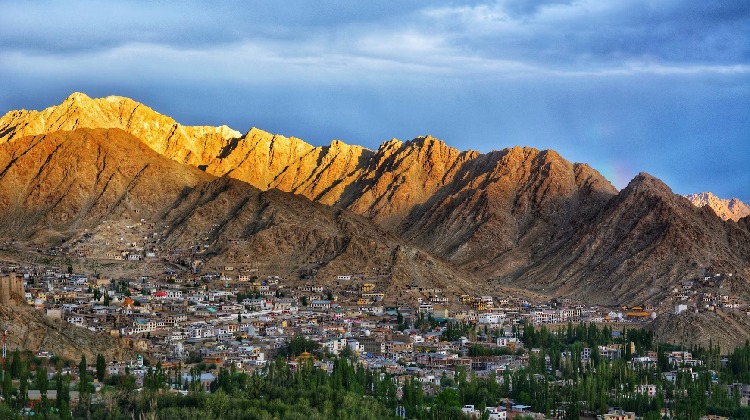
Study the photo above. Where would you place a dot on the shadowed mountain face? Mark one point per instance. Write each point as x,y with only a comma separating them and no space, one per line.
501,210
68,180
281,232
640,245
520,216
54,185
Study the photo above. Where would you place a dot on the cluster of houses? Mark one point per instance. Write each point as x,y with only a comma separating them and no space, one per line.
177,314
241,319
711,292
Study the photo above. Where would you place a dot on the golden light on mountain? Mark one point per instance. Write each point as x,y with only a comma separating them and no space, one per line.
429,213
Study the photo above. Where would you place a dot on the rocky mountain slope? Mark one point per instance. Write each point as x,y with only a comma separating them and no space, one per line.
68,180
280,232
727,328
517,216
57,184
501,209
733,209
640,245
29,328
384,185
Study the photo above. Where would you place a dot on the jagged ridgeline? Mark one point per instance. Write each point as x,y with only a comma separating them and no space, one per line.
727,209
517,216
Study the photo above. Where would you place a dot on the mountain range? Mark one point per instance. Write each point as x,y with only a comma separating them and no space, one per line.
424,212
727,209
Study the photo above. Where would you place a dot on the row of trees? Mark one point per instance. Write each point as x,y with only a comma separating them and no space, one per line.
31,372
556,379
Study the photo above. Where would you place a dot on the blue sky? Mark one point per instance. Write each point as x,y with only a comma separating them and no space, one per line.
627,86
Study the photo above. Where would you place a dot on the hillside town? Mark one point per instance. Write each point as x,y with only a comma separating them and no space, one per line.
240,319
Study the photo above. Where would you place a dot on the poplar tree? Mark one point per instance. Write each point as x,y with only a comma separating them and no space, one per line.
7,387
101,367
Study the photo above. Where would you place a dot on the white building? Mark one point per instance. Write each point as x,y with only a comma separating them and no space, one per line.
649,390
493,318
335,345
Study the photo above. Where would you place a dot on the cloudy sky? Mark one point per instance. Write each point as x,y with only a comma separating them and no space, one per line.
627,86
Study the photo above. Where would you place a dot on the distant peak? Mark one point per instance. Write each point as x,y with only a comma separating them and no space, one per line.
733,209
115,98
550,154
426,140
427,144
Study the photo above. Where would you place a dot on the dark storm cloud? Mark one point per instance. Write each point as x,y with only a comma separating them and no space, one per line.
555,35
63,27
603,34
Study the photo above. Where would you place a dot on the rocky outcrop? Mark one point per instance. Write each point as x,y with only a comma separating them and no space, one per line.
502,209
402,175
30,329
733,209
258,158
384,185
726,328
324,173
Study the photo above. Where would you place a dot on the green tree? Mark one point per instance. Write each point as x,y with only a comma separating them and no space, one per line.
23,383
400,322
63,392
82,374
217,405
297,345
7,387
15,364
101,367
42,384
155,378
84,389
